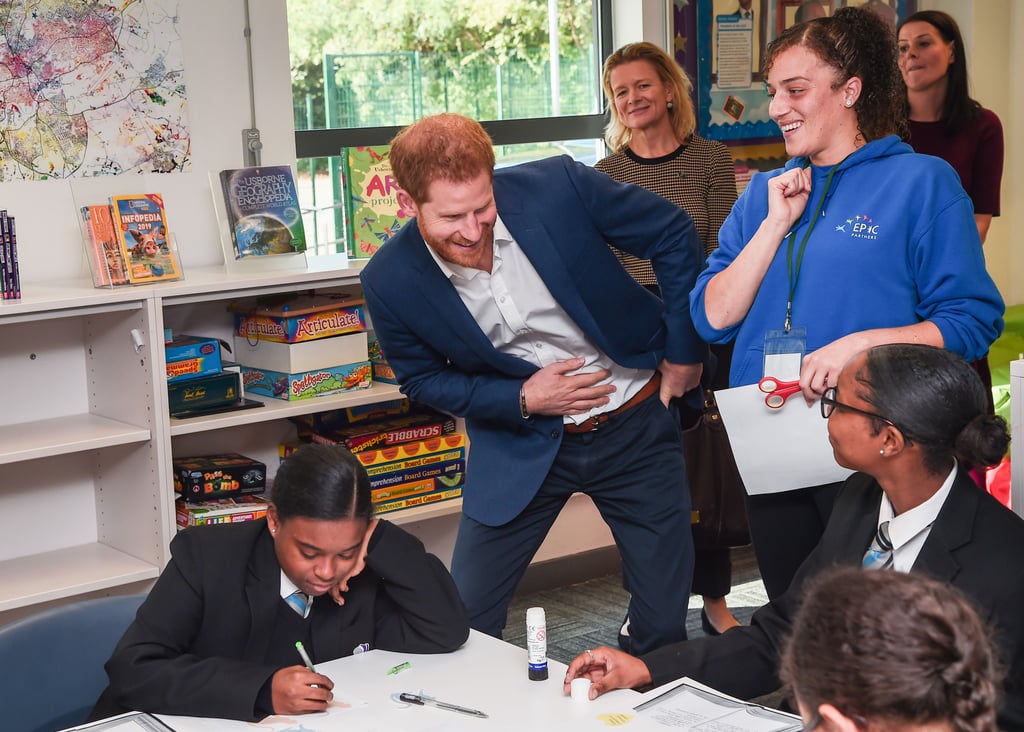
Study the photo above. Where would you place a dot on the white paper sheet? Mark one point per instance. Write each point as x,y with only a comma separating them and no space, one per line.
777,450
695,707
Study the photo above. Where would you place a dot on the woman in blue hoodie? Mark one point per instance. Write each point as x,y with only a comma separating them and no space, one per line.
856,242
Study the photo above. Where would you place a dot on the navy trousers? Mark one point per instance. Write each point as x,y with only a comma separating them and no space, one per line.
633,470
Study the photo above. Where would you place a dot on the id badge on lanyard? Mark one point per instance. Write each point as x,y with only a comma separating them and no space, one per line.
784,349
784,353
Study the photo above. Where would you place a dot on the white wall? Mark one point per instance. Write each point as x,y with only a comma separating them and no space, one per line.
49,243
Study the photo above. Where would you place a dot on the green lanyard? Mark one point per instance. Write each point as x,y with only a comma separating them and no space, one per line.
794,272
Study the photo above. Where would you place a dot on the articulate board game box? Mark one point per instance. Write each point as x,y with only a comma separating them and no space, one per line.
205,477
306,318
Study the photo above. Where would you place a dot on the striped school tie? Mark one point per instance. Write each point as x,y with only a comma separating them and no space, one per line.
879,556
300,602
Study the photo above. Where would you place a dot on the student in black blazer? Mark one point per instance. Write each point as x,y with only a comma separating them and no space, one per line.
216,637
900,414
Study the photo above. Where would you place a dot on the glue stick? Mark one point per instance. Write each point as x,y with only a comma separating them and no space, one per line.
537,643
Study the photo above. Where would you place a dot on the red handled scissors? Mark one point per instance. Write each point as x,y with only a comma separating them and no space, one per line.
777,391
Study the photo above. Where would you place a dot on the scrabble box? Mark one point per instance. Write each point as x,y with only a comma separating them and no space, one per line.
411,454
417,425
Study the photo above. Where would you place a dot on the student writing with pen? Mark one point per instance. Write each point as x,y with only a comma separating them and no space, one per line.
217,635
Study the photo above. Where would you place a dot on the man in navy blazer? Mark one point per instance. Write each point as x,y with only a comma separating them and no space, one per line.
505,305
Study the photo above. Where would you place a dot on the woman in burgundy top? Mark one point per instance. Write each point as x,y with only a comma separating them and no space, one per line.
945,122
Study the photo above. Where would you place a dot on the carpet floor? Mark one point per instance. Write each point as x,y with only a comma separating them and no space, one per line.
590,613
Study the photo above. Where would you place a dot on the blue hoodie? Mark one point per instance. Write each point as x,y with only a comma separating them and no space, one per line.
896,244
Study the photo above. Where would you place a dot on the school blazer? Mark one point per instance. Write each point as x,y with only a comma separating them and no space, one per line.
564,215
198,644
973,545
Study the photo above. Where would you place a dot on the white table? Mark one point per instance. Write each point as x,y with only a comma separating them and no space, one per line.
485,674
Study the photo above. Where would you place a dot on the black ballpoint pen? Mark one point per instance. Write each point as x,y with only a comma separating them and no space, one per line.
429,701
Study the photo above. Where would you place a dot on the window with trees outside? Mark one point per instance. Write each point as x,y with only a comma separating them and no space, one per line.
529,70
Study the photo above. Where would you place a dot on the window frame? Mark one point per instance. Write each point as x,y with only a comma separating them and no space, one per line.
325,143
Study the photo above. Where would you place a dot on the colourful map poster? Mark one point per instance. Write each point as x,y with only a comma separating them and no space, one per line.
91,88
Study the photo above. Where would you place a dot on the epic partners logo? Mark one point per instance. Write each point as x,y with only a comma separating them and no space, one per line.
859,227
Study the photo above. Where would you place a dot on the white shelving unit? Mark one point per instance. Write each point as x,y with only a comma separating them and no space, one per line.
86,440
81,501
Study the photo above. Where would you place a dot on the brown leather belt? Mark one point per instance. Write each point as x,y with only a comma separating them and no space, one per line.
595,422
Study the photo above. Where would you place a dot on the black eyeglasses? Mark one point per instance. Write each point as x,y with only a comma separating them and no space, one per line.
829,403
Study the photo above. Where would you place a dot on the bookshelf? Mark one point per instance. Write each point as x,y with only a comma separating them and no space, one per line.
86,440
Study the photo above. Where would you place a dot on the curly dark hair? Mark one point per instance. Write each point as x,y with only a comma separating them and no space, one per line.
855,42
892,648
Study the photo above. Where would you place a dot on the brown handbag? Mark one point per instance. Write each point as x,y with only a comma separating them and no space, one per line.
716,489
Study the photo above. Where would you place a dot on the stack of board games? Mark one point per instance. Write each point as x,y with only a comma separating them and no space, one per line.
412,454
198,381
10,276
299,347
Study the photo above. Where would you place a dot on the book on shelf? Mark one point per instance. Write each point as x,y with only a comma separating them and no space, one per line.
374,212
10,277
262,209
105,257
141,225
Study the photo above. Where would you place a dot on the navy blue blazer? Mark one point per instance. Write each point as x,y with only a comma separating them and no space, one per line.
563,215
973,545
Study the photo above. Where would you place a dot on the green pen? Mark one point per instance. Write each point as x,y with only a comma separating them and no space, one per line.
305,656
400,667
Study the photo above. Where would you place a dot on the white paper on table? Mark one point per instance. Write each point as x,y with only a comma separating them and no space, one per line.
693,706
781,449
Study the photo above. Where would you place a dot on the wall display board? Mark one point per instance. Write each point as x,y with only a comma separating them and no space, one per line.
731,38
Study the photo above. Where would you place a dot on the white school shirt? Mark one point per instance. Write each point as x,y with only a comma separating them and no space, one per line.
521,318
288,587
910,529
